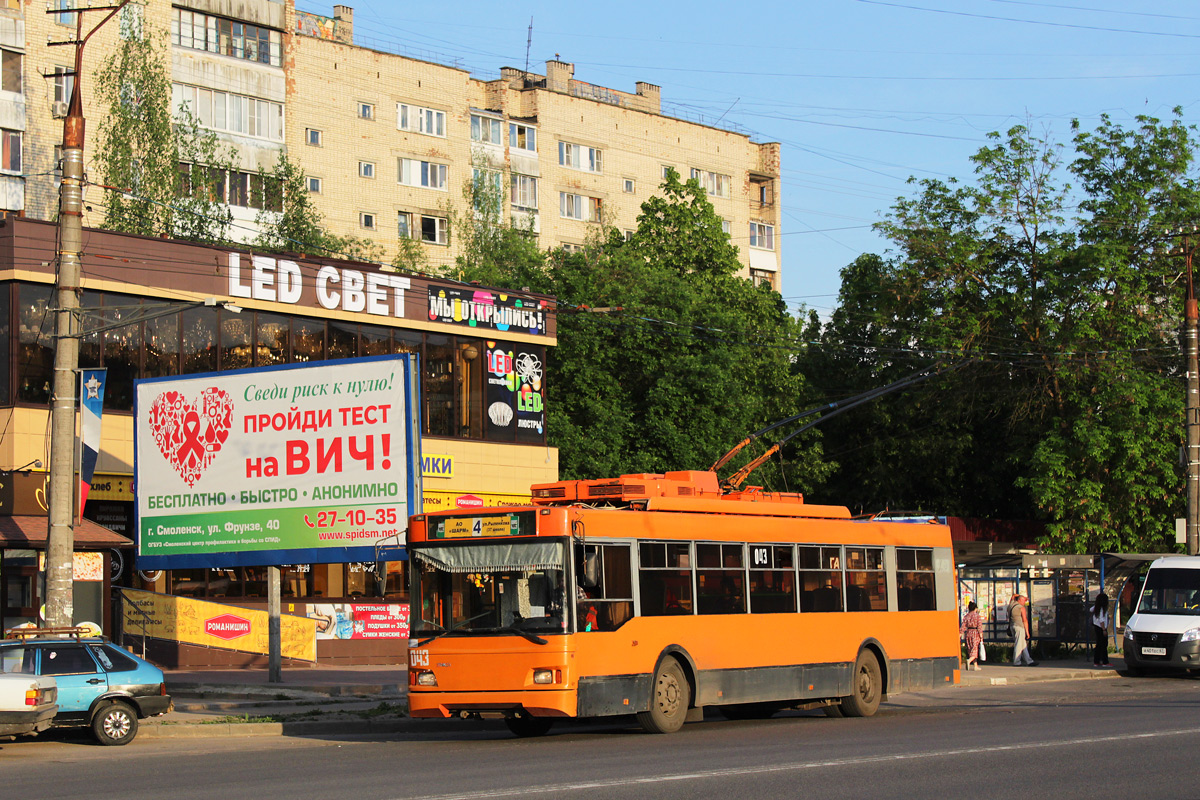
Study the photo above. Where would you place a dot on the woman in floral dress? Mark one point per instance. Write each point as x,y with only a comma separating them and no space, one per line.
972,633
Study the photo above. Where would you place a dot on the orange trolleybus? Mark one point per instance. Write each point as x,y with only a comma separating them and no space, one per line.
659,595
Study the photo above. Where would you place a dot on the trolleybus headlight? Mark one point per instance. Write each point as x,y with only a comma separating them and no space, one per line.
543,676
426,678
1190,635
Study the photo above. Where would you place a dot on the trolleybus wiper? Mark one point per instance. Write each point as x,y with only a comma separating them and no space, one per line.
440,634
533,637
834,409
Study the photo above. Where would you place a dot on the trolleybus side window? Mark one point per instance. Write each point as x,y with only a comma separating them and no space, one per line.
820,578
720,579
665,578
914,579
609,603
866,580
772,579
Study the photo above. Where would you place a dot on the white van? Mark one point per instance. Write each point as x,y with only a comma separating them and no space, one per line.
1164,630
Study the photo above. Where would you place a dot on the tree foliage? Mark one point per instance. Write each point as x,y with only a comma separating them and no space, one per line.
1066,300
666,357
141,146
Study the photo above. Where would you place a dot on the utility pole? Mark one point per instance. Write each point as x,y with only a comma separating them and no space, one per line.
1192,419
61,545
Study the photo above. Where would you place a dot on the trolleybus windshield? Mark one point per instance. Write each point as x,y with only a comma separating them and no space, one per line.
489,588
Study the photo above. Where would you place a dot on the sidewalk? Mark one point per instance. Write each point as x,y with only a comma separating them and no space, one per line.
1004,673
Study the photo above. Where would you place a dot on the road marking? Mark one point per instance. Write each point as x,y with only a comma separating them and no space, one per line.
616,783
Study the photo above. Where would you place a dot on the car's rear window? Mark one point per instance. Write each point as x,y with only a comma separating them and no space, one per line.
17,659
112,659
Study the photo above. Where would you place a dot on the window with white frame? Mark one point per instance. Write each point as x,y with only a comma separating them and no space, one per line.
726,226
760,276
10,156
314,185
522,137
10,71
414,172
629,186
524,192
762,235
234,113
578,206
67,18
628,234
131,22
64,83
366,111
367,220
312,136
666,171
487,186
486,130
435,230
578,156
418,119
404,228
366,169
716,184
570,247
199,31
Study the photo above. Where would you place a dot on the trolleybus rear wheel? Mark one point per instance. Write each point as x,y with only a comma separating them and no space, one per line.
865,687
669,700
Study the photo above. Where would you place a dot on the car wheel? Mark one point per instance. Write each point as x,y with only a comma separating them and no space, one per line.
115,724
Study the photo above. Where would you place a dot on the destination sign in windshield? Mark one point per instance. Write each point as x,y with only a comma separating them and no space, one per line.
484,525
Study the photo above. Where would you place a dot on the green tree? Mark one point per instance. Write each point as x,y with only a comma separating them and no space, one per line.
1071,412
141,147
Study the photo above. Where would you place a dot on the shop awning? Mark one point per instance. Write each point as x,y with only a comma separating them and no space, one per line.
33,533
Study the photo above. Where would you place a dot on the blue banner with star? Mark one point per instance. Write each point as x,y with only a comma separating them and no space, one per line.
91,407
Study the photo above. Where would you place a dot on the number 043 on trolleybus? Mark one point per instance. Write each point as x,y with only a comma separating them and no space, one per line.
660,595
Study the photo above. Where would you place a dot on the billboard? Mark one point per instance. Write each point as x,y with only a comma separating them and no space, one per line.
279,465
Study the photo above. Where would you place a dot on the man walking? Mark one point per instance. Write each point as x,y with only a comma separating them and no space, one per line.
1018,617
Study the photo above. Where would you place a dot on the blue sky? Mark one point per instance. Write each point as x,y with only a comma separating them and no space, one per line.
862,94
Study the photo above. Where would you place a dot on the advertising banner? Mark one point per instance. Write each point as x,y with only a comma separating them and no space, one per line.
515,394
281,465
360,620
183,619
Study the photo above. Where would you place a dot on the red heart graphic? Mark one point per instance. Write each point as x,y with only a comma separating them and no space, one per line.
189,437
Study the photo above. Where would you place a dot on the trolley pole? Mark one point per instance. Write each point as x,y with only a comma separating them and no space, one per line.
60,547
1192,340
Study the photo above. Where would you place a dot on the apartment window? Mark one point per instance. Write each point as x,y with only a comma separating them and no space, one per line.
628,234
765,191
726,226
404,225
64,83
762,235
714,183
65,18
312,136
667,169
524,191
366,220
314,185
577,156
577,206
760,276
486,130
435,230
236,188
423,173
131,22
522,137
235,113
420,120
568,247
11,160
629,186
366,110
366,169
10,71
198,31
487,188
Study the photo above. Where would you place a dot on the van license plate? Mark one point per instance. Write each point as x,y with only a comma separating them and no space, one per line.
1154,651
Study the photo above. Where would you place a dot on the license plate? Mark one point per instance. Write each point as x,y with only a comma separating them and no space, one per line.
1154,651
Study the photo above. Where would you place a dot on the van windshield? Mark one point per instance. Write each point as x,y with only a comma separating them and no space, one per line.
1171,591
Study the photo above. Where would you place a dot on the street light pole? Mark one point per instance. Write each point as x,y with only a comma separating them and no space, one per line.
60,547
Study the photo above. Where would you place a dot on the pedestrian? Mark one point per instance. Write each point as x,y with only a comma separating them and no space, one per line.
1100,629
971,630
1018,619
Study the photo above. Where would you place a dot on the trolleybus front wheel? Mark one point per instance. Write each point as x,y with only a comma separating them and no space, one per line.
865,687
669,700
525,725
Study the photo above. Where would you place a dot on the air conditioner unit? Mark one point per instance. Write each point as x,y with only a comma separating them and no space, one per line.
58,109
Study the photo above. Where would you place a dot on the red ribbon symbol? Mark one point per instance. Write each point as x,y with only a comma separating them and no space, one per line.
191,451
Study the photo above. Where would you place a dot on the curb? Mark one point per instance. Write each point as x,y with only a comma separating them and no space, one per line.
197,730
1014,680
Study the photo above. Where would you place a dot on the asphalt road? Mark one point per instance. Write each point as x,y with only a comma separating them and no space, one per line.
1062,739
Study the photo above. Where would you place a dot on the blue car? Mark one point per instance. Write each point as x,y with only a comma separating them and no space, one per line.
99,684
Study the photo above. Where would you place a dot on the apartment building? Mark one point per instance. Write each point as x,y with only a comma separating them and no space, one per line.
388,142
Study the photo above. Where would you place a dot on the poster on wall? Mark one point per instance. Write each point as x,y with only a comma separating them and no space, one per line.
280,465
360,620
516,408
480,308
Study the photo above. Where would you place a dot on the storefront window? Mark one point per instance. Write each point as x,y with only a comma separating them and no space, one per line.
5,310
35,355
408,342
360,579
308,343
273,335
161,346
376,341
343,340
468,359
89,346
122,355
235,341
199,340
439,388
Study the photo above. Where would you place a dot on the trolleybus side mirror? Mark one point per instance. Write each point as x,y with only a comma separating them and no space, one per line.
589,576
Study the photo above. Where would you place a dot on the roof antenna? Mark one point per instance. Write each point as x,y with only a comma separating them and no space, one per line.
528,44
